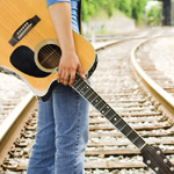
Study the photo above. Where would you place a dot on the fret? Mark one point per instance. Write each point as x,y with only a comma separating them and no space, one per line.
123,127
95,100
115,121
106,113
129,133
92,98
78,77
139,142
135,140
105,110
80,84
110,114
120,124
98,103
132,136
90,91
101,105
102,109
88,94
127,130
77,82
82,91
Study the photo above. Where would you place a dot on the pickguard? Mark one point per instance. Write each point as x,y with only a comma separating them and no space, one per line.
23,59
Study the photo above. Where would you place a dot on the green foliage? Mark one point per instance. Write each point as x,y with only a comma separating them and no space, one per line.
132,8
124,6
88,9
153,15
138,9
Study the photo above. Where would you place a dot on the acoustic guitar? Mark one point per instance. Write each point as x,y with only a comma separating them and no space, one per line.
30,48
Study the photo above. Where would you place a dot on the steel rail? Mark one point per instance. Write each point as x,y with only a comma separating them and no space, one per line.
157,91
11,127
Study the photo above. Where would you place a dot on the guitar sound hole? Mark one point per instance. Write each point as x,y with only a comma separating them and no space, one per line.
49,56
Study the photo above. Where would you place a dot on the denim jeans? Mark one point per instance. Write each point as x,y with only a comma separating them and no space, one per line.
62,134
62,129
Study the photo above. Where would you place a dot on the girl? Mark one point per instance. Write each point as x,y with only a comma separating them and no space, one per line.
62,128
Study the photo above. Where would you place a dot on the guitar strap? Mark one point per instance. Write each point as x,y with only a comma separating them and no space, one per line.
80,18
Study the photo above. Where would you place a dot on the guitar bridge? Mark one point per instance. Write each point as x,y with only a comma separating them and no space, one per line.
23,30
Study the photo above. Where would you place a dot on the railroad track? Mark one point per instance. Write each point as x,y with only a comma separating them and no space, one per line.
12,92
108,152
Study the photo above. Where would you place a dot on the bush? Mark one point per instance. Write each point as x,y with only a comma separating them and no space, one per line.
153,15
132,8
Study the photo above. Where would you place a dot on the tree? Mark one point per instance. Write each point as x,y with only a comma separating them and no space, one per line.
132,8
153,15
138,9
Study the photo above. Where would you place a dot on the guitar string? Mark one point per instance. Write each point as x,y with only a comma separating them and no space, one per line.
50,60
54,51
29,41
48,56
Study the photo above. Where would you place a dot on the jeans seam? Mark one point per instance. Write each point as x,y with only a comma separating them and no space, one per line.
77,132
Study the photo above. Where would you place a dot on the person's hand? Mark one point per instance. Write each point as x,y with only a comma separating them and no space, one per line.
68,66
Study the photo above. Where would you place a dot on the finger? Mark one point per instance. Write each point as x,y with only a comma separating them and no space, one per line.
66,80
63,74
59,76
81,72
72,78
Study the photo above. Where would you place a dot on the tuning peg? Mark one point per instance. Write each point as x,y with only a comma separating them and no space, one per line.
145,167
165,160
149,162
171,169
156,169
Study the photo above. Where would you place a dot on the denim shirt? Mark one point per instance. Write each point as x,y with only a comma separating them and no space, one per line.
49,2
74,12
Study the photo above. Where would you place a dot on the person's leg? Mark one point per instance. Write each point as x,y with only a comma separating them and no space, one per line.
71,118
42,155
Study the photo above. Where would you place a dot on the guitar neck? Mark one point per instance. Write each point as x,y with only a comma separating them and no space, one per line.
81,87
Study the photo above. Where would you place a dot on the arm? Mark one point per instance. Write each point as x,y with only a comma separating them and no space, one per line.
60,13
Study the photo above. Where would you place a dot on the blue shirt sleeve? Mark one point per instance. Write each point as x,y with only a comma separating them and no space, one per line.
49,2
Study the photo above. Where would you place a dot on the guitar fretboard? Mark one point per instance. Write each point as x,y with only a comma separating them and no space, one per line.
82,87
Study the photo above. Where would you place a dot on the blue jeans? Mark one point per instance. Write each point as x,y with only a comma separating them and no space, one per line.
62,134
62,129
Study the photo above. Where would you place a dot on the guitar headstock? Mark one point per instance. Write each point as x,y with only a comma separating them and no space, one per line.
156,160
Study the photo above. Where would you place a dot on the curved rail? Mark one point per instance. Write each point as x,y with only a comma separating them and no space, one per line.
13,124
158,92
